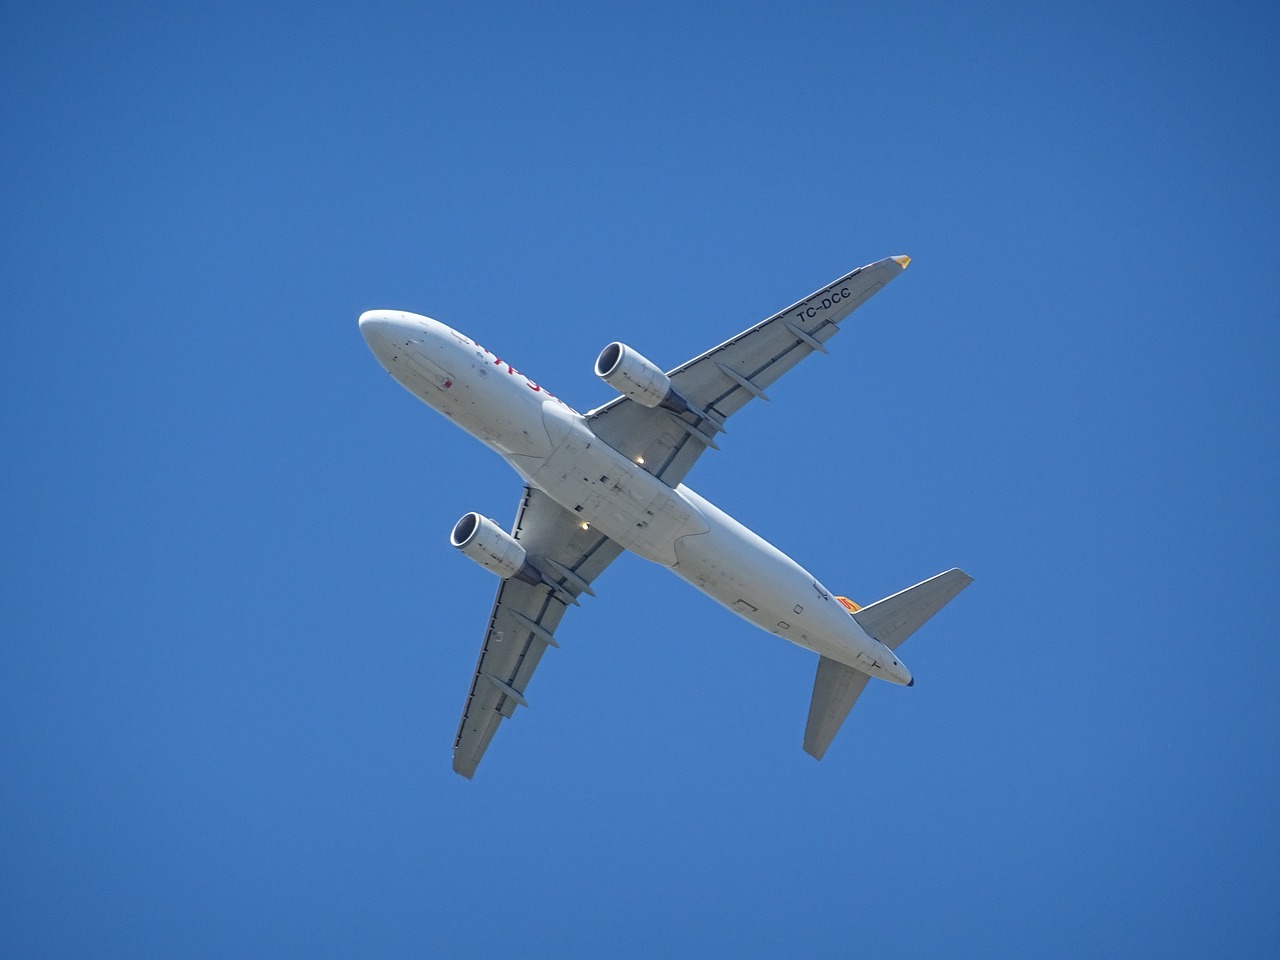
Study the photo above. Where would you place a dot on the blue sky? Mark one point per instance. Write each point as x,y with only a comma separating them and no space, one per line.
234,641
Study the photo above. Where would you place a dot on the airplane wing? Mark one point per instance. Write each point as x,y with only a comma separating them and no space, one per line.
525,617
722,380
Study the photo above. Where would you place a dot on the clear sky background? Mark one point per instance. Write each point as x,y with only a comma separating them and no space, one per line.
234,640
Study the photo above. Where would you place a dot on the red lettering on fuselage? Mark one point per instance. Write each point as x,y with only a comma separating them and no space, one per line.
512,371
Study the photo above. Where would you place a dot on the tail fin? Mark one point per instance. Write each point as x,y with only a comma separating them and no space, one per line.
836,687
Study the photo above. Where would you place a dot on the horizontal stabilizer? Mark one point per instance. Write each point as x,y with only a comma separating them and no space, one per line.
837,687
835,690
895,618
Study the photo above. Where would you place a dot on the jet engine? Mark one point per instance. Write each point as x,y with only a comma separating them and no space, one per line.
633,376
490,546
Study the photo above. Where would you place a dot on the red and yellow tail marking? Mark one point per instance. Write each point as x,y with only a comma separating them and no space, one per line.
848,604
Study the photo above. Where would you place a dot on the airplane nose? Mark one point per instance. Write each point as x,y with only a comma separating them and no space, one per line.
374,326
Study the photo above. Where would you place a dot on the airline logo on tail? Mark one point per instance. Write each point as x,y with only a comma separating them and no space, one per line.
848,604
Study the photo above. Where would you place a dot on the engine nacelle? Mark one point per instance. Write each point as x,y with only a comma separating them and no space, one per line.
633,376
490,546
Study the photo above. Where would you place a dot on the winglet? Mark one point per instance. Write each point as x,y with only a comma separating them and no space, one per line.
902,261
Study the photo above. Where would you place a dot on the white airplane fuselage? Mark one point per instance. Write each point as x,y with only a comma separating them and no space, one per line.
553,449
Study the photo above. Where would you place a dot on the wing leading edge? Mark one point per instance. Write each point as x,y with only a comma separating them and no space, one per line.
524,619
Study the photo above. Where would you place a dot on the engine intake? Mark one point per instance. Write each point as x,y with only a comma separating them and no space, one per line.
633,376
493,548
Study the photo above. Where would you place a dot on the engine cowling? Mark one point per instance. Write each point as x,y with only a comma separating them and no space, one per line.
632,375
489,545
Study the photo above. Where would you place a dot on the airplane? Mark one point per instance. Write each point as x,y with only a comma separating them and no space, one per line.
612,480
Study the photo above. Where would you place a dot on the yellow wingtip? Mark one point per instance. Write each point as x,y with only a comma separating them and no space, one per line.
903,261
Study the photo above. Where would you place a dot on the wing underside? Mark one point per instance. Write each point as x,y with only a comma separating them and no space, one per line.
524,618
722,380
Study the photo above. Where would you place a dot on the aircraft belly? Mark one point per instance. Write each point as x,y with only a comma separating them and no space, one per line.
503,414
744,572
762,586
615,496
680,530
